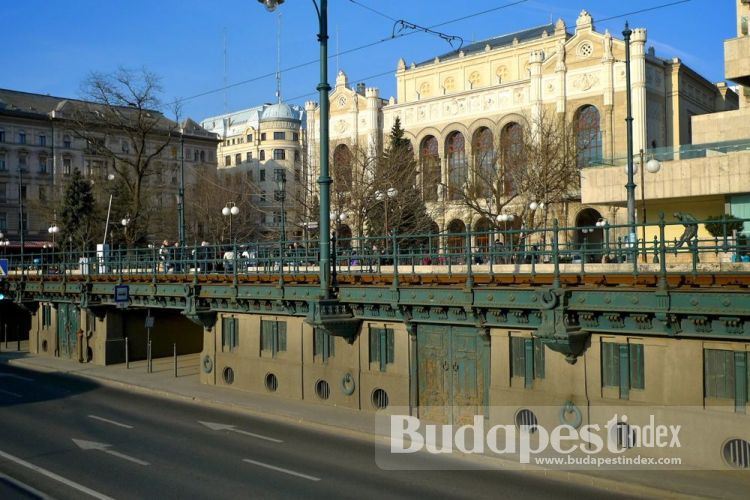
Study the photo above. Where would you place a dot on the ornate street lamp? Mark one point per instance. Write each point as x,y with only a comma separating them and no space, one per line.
324,180
384,196
230,210
181,192
281,197
630,186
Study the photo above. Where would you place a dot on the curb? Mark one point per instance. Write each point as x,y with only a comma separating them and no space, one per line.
577,478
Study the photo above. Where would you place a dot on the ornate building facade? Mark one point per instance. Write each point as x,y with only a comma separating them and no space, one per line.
40,148
263,143
486,93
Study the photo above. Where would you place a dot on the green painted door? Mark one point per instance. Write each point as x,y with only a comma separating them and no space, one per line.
67,328
451,372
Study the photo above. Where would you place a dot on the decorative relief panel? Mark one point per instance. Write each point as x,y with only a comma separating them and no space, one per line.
502,74
585,81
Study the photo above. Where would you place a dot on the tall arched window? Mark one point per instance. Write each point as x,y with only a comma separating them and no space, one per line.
511,156
342,168
588,136
483,148
455,148
429,160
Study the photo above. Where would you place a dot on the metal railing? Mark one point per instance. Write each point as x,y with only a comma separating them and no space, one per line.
684,152
550,250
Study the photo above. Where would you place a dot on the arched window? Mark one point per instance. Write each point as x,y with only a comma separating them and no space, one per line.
456,240
588,136
429,161
455,148
342,168
262,155
483,148
511,159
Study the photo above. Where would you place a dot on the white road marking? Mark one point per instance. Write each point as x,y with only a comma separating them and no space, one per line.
93,445
19,377
3,391
280,469
231,428
111,421
55,477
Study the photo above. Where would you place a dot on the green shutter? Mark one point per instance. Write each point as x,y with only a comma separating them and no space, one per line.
538,358
517,357
389,341
610,364
719,373
624,352
740,391
528,375
281,331
266,336
225,334
374,345
317,342
637,370
383,348
331,345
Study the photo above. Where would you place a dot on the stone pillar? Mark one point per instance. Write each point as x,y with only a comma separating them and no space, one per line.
312,139
373,119
608,64
560,72
638,82
536,58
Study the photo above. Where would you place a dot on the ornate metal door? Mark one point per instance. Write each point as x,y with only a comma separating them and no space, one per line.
67,328
451,373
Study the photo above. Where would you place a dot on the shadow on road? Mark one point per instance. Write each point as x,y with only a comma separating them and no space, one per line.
23,386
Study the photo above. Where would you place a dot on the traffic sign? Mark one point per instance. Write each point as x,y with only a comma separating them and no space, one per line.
149,320
122,295
3,267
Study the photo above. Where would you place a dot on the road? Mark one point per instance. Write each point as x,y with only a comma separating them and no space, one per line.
70,438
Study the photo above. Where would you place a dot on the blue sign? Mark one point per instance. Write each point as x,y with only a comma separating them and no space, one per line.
3,267
122,294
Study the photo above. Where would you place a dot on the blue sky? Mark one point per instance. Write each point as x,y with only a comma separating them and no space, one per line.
50,46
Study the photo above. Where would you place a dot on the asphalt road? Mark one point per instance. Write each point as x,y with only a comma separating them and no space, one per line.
134,446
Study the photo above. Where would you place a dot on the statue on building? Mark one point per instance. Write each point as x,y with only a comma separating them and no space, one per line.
560,66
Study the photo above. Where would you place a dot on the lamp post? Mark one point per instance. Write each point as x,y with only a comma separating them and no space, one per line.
125,223
53,230
384,196
603,224
653,166
281,197
324,180
181,192
20,210
586,232
505,218
230,210
630,186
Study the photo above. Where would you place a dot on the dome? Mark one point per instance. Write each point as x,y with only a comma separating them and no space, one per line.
279,111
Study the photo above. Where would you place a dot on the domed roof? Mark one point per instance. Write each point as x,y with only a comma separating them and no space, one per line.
279,111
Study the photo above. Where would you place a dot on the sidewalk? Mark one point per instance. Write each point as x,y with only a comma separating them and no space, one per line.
358,424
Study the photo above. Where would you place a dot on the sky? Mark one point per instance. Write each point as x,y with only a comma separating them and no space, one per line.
195,46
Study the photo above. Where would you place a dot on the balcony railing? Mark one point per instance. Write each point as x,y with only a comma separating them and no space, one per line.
685,152
551,250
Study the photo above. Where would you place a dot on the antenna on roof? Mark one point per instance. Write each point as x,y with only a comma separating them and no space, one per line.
226,85
278,60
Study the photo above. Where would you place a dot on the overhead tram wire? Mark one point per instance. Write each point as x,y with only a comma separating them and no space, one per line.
399,35
348,51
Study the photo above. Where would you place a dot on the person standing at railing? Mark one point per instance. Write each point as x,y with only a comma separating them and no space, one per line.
691,228
164,255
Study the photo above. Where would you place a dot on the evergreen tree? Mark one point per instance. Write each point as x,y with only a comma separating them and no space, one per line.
78,212
407,213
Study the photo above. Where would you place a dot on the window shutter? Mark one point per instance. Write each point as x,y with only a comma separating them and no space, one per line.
317,342
528,351
517,364
281,326
374,345
389,346
740,389
610,365
538,358
637,367
624,352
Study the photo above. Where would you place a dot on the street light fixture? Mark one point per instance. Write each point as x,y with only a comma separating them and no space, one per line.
181,192
630,186
53,230
281,197
324,180
230,210
384,196
653,166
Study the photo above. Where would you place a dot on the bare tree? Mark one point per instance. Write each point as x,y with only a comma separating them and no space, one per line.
537,162
123,125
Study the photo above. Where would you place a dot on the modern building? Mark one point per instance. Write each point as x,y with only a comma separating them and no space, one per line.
40,147
483,95
263,143
708,174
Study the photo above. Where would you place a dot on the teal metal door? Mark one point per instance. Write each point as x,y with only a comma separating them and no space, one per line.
67,328
451,373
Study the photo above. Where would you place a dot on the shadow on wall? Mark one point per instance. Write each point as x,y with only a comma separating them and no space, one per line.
15,322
